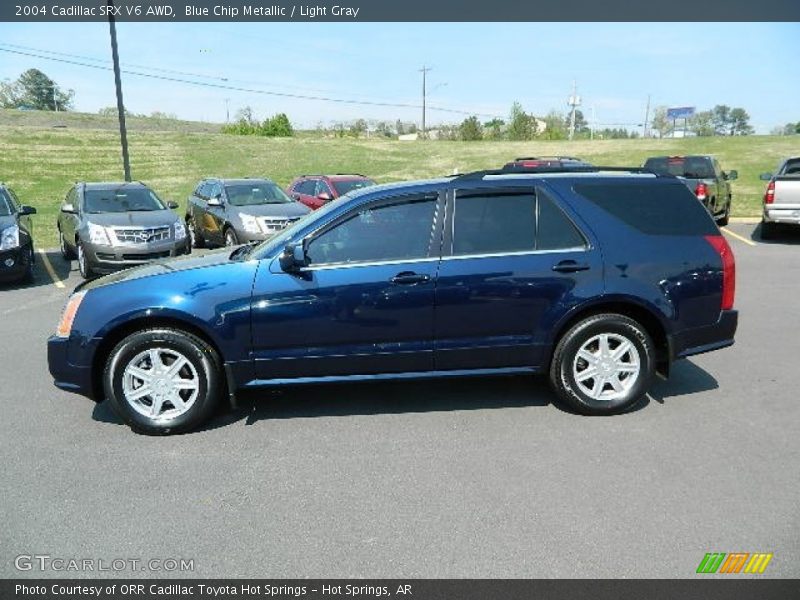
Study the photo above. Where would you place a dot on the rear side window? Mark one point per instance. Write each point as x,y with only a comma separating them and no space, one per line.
792,167
502,222
653,208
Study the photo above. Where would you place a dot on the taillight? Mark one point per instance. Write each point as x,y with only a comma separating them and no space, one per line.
769,195
720,244
701,191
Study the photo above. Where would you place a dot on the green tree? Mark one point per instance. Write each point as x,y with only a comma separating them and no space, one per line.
277,126
470,129
740,122
702,123
521,125
554,128
660,123
721,119
35,90
358,128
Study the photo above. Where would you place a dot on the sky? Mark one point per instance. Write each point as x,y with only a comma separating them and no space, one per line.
476,68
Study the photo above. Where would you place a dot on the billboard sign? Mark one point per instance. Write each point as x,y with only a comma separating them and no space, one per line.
682,112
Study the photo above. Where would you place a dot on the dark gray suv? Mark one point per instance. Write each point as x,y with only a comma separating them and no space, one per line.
111,226
235,211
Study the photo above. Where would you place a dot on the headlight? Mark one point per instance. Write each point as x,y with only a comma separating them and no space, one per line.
99,235
250,224
9,238
180,230
68,316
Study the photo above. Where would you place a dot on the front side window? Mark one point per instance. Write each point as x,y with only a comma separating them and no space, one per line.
399,230
504,222
306,187
345,186
322,188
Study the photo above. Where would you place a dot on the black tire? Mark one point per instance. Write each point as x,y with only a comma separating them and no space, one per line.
27,276
195,239
231,239
207,368
726,216
66,252
565,362
84,268
768,230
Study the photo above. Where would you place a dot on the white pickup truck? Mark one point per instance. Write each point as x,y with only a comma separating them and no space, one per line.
782,197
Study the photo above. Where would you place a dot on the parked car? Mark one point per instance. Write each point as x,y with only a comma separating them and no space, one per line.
704,176
16,237
597,279
782,197
546,162
227,212
112,226
317,190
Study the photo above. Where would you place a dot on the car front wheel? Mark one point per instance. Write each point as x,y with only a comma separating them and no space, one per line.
83,263
603,365
163,381
230,237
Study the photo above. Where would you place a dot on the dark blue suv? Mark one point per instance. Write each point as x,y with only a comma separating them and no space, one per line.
598,278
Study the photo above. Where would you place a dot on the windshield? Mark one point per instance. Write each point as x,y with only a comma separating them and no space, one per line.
120,200
680,166
348,185
5,205
249,194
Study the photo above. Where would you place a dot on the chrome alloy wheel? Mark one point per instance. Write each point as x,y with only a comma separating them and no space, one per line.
606,366
160,383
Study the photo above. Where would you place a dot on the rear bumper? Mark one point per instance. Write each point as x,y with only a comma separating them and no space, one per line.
705,339
782,215
66,376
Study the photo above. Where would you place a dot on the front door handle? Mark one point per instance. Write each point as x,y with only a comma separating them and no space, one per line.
570,266
410,278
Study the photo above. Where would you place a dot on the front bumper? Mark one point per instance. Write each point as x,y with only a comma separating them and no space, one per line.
107,259
67,376
19,259
782,215
705,339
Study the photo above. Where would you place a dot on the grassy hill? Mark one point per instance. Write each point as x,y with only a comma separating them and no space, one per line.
40,162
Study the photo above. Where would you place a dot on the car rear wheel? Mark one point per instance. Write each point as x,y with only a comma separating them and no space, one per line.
603,365
723,220
163,381
27,276
195,238
768,230
65,249
83,263
230,237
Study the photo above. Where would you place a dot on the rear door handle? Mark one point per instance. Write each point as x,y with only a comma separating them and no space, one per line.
570,266
410,278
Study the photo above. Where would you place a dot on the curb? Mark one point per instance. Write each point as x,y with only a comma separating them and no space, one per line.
750,220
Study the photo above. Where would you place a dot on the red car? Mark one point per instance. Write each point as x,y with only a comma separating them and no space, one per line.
316,190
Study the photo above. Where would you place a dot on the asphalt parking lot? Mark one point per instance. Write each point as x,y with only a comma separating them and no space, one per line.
474,478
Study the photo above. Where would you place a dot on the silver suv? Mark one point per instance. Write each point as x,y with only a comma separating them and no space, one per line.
111,226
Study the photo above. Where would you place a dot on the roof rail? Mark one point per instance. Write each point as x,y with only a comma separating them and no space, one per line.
519,158
515,170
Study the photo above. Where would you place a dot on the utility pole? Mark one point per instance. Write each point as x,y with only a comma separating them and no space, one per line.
227,110
123,133
574,102
591,131
424,70
646,116
55,100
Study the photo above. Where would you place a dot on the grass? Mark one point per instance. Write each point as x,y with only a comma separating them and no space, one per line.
40,163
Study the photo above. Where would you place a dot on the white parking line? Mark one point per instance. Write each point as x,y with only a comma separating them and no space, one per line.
50,270
737,236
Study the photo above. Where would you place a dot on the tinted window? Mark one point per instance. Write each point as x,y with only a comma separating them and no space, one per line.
250,194
656,208
792,167
306,187
692,167
554,230
322,188
201,190
396,231
5,204
496,223
121,200
343,187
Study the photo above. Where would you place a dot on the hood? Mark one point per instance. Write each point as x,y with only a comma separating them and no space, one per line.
285,209
150,218
161,267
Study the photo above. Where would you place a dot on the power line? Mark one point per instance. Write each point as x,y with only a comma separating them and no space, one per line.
226,86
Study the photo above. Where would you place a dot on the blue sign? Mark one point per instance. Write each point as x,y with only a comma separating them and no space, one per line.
683,112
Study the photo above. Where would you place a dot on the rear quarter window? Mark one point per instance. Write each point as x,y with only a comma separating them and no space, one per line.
652,208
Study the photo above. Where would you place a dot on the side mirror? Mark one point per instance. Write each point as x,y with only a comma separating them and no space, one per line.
27,210
765,176
68,208
733,175
215,201
172,204
324,196
293,258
